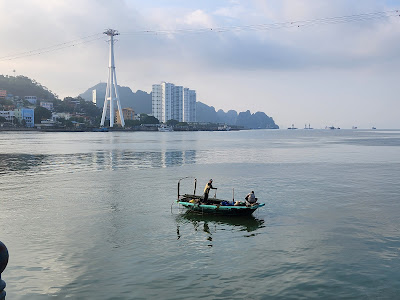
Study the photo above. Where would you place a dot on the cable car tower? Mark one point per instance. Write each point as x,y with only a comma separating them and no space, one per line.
112,94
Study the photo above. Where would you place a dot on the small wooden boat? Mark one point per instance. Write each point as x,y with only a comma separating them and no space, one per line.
194,203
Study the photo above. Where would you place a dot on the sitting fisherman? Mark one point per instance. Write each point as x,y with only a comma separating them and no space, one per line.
250,199
207,190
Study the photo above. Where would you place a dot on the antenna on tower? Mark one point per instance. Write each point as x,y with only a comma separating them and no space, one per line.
112,94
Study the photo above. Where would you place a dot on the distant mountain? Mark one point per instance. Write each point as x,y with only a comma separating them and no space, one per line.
139,101
256,120
246,119
205,113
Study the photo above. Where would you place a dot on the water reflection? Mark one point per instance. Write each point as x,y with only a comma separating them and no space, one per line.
98,160
19,162
210,224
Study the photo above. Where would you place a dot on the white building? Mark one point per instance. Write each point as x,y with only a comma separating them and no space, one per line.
156,101
189,105
31,99
170,102
8,115
47,105
94,96
178,103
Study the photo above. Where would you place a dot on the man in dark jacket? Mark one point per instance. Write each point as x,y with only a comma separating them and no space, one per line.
207,190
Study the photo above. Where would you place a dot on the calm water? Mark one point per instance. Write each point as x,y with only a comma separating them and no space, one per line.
88,215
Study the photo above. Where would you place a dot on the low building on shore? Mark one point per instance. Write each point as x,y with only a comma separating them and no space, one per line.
128,114
25,114
9,115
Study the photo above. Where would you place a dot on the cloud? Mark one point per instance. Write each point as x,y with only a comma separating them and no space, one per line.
197,18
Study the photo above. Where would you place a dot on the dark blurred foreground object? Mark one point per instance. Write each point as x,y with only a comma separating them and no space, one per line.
3,264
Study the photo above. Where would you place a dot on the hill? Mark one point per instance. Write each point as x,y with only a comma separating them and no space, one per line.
23,86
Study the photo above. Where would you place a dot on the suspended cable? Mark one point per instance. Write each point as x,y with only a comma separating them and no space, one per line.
256,27
56,47
269,26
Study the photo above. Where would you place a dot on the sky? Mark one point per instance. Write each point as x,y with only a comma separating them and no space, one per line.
342,73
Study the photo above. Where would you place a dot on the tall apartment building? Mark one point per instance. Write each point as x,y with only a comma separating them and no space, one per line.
189,105
171,102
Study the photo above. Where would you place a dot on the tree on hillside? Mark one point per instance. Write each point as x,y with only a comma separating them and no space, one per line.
146,119
89,108
131,123
172,122
42,113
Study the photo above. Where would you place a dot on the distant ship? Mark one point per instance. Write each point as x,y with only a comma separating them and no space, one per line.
373,127
354,127
292,127
224,128
309,126
332,127
165,128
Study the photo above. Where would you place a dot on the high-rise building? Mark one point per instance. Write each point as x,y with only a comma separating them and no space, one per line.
178,103
189,105
156,101
171,102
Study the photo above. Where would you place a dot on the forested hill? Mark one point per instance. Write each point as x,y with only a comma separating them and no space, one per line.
23,86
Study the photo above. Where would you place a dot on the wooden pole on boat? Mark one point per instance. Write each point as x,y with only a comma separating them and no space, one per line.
195,184
233,195
179,182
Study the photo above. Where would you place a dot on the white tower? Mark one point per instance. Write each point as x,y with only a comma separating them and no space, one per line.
112,94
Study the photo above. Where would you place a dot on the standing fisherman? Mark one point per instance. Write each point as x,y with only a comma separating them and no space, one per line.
207,190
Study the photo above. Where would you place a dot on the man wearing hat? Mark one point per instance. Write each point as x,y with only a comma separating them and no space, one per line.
207,190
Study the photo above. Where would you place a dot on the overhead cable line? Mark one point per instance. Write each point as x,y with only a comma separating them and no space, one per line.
281,25
256,27
52,48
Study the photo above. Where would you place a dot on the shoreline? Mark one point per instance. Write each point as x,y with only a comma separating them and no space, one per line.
146,129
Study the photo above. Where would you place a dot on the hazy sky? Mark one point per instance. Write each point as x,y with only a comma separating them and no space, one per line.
343,74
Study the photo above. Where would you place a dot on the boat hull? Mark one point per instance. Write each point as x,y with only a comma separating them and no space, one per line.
220,209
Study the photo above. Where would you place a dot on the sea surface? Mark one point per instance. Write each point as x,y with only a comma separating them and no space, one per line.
92,215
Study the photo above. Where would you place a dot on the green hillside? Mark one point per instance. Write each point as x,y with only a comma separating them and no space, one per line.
23,86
